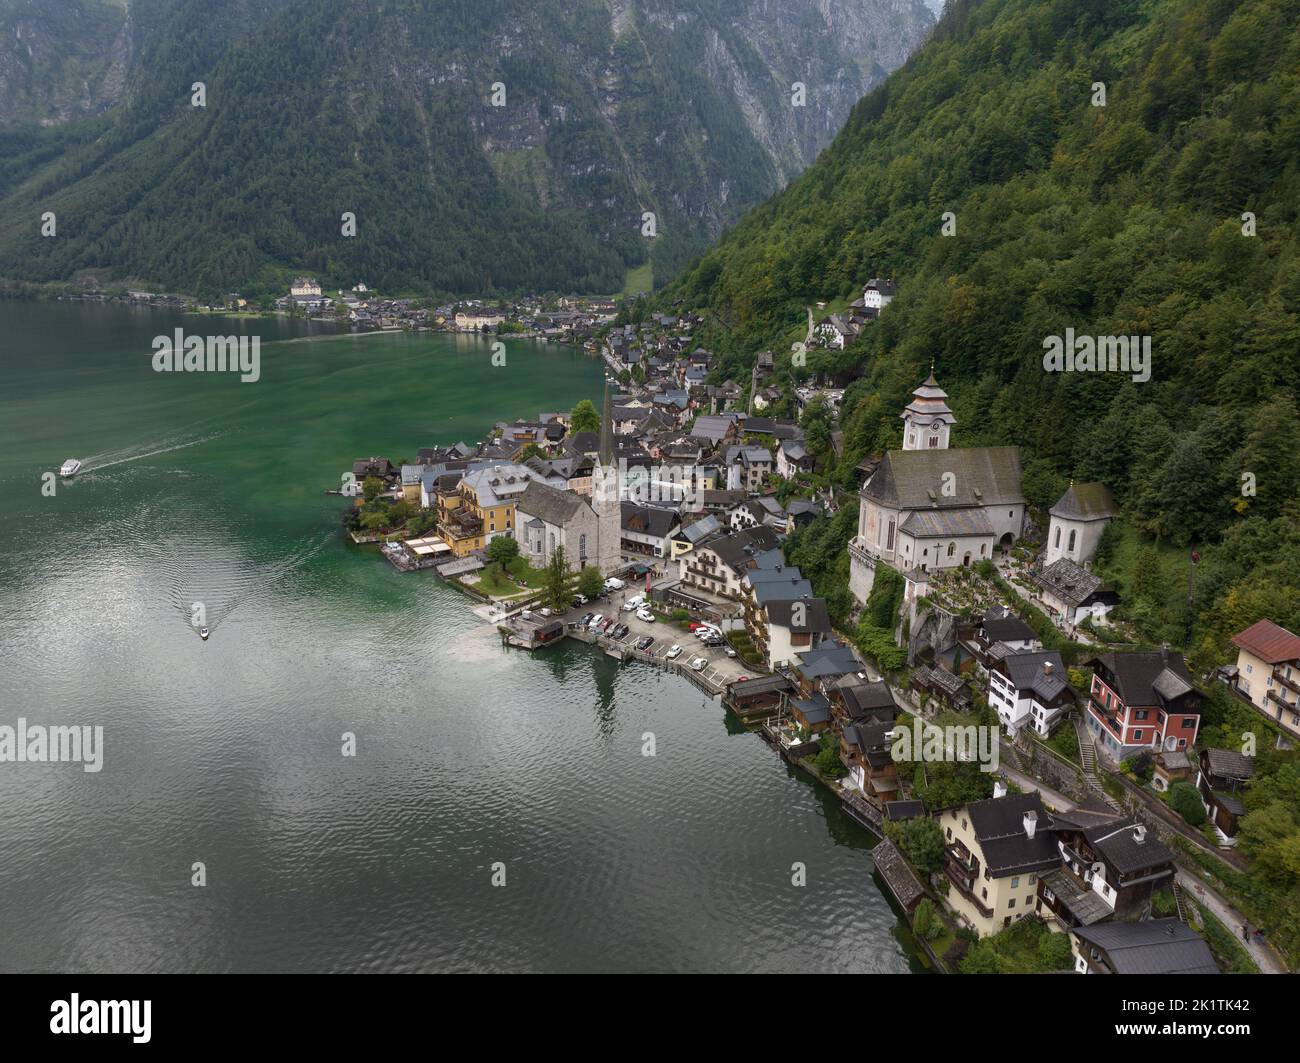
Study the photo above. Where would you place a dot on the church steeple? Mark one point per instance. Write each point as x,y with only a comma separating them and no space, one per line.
927,419
606,454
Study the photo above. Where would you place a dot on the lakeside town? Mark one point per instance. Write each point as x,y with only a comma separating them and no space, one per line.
1091,827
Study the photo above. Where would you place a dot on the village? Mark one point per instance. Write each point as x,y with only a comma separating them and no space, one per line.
654,529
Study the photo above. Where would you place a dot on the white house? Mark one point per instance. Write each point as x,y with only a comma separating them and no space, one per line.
1030,690
1077,521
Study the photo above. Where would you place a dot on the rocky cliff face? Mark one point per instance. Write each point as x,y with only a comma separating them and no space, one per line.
563,122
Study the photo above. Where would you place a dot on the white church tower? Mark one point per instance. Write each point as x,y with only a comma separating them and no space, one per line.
927,419
607,497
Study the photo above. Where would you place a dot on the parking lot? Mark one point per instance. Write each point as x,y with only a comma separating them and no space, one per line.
719,670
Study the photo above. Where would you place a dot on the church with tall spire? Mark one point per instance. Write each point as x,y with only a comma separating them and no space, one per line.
607,496
927,507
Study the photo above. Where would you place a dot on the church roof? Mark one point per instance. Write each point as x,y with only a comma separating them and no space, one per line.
916,479
934,524
1085,502
549,504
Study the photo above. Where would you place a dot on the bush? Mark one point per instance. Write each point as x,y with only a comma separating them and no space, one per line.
1185,799
926,923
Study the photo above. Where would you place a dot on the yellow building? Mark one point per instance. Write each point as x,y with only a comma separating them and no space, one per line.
1268,672
996,849
482,506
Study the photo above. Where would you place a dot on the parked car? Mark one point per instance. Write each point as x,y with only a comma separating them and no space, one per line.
634,603
613,584
645,615
700,663
730,652
620,631
673,652
527,614
579,599
586,619
546,612
644,642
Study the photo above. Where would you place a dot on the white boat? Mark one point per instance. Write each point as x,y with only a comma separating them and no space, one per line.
70,467
204,633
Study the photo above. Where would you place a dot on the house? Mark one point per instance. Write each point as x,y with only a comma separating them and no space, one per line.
1170,768
878,293
482,506
1158,946
756,511
549,518
1111,866
792,458
1268,672
647,530
1224,774
927,507
475,319
689,536
792,627
865,753
1030,689
719,563
996,849
747,467
950,690
305,288
1000,627
1142,702
1072,593
1076,522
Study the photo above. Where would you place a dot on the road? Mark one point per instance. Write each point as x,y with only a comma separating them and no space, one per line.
1261,952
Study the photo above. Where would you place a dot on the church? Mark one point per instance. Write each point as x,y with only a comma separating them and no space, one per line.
926,508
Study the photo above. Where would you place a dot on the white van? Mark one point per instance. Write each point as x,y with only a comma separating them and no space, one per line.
634,603
613,584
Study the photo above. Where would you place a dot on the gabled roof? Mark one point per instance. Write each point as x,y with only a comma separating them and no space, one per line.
1041,673
1269,642
999,827
1157,946
1068,582
1118,843
1002,625
1230,764
648,520
815,617
1085,502
550,504
828,659
915,479
1147,677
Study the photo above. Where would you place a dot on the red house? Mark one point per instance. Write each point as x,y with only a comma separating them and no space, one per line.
1142,702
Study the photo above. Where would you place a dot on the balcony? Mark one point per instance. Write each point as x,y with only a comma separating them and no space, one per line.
1292,684
462,525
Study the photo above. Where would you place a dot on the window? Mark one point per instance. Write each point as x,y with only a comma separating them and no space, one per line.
1015,882
985,892
1189,722
1058,536
952,549
1033,879
1137,735
1141,714
1011,903
1071,546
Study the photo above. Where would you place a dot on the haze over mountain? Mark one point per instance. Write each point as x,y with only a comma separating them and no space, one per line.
611,108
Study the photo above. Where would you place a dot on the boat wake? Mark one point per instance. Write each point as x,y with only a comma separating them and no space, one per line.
109,458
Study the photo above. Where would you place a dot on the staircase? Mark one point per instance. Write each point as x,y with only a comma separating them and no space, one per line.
1181,901
1088,758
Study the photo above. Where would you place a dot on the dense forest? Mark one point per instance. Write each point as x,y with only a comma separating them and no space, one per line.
483,147
1166,208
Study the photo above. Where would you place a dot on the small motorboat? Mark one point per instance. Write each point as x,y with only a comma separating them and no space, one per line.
70,467
204,633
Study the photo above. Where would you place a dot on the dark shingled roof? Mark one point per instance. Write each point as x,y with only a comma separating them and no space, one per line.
1230,764
1146,677
914,479
550,503
895,811
869,699
1002,625
1085,502
815,617
1118,843
1028,674
999,827
1068,582
1157,946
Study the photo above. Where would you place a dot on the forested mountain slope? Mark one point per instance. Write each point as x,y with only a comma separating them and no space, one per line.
1170,213
608,109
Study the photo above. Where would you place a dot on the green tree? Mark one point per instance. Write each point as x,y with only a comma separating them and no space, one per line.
584,417
922,840
503,549
371,488
555,581
591,584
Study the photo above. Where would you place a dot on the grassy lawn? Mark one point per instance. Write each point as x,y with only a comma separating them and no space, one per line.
1066,742
639,279
493,581
1229,953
